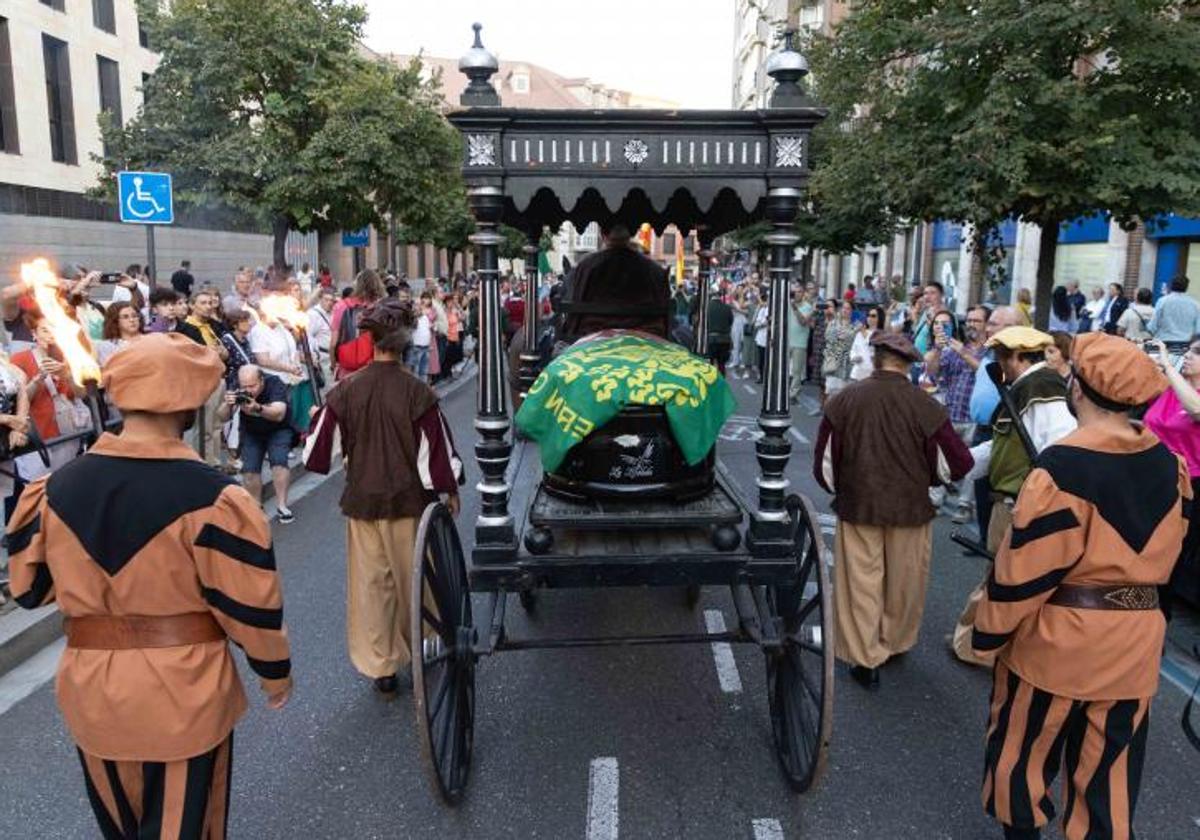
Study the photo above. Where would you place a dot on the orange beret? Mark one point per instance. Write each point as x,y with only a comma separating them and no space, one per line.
162,373
1116,369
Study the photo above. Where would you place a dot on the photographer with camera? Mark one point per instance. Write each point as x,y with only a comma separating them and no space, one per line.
264,432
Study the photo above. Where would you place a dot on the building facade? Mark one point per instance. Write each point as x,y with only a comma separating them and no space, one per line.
62,63
757,27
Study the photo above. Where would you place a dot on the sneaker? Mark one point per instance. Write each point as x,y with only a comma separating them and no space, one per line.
963,515
286,517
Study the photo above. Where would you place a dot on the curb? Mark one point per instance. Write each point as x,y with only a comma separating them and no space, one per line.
25,632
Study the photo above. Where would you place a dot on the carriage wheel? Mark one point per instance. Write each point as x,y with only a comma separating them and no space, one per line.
800,674
442,636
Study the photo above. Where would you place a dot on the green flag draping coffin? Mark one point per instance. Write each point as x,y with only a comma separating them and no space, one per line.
590,383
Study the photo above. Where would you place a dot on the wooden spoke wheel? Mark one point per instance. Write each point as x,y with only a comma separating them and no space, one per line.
800,673
442,637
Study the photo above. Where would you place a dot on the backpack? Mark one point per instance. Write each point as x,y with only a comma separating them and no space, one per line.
354,349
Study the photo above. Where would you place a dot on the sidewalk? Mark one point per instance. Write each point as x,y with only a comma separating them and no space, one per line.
25,632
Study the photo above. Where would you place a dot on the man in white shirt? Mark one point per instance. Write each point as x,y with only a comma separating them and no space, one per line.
320,328
275,350
1134,322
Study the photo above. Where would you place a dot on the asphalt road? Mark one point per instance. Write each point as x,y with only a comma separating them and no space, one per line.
684,758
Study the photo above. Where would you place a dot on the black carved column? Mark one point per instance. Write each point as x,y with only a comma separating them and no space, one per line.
769,532
704,281
529,356
494,533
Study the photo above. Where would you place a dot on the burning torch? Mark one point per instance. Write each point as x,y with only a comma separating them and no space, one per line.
43,284
286,309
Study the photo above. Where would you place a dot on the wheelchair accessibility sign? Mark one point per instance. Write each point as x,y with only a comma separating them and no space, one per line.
145,198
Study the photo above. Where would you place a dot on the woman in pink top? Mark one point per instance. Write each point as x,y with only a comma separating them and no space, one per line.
1175,418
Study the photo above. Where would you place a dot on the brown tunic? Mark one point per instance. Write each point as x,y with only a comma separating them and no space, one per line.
379,405
144,528
1097,509
881,445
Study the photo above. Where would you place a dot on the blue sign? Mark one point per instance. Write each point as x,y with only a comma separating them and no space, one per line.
360,238
145,198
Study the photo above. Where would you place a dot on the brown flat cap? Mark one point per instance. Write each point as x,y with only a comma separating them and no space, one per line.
162,373
1116,370
895,343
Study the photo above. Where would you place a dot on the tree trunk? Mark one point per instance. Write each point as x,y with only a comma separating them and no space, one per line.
1047,253
280,225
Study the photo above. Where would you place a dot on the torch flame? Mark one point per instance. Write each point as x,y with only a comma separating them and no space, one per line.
43,284
286,309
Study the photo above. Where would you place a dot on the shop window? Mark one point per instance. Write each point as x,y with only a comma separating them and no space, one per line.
1085,264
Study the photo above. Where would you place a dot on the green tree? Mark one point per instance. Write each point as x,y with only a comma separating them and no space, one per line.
271,106
1042,110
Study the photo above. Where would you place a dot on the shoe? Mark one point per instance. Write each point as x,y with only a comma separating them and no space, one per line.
286,517
387,685
963,515
868,678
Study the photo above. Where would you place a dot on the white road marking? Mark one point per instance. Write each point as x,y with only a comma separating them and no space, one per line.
794,432
741,427
727,672
767,830
828,523
750,388
602,811
30,675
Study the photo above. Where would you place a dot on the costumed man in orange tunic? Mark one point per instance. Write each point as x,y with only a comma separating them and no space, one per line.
157,561
1071,606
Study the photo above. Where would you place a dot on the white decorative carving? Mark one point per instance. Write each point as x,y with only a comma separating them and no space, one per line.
481,150
789,151
636,152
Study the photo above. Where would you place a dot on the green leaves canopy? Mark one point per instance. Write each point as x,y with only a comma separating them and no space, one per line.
272,106
981,110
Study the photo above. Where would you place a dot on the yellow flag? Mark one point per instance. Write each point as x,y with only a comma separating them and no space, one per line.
679,258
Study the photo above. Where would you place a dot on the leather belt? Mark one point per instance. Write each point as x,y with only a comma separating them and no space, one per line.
130,632
1098,597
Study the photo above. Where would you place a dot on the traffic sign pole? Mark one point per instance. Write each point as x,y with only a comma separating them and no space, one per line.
151,261
146,198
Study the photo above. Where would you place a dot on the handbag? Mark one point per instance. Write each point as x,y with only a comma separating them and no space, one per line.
64,414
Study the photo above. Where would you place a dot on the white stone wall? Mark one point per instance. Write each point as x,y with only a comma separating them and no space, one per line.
109,246
28,20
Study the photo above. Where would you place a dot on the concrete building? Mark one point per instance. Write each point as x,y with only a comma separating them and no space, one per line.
757,27
63,62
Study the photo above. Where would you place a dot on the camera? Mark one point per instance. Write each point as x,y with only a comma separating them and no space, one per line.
242,397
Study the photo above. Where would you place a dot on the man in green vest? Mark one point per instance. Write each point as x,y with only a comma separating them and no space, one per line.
1039,397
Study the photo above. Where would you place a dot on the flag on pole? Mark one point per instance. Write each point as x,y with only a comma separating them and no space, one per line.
679,258
645,237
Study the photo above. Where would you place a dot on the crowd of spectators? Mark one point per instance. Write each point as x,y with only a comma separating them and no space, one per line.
829,339
278,358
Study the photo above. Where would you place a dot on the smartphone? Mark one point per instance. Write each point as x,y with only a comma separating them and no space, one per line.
110,277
